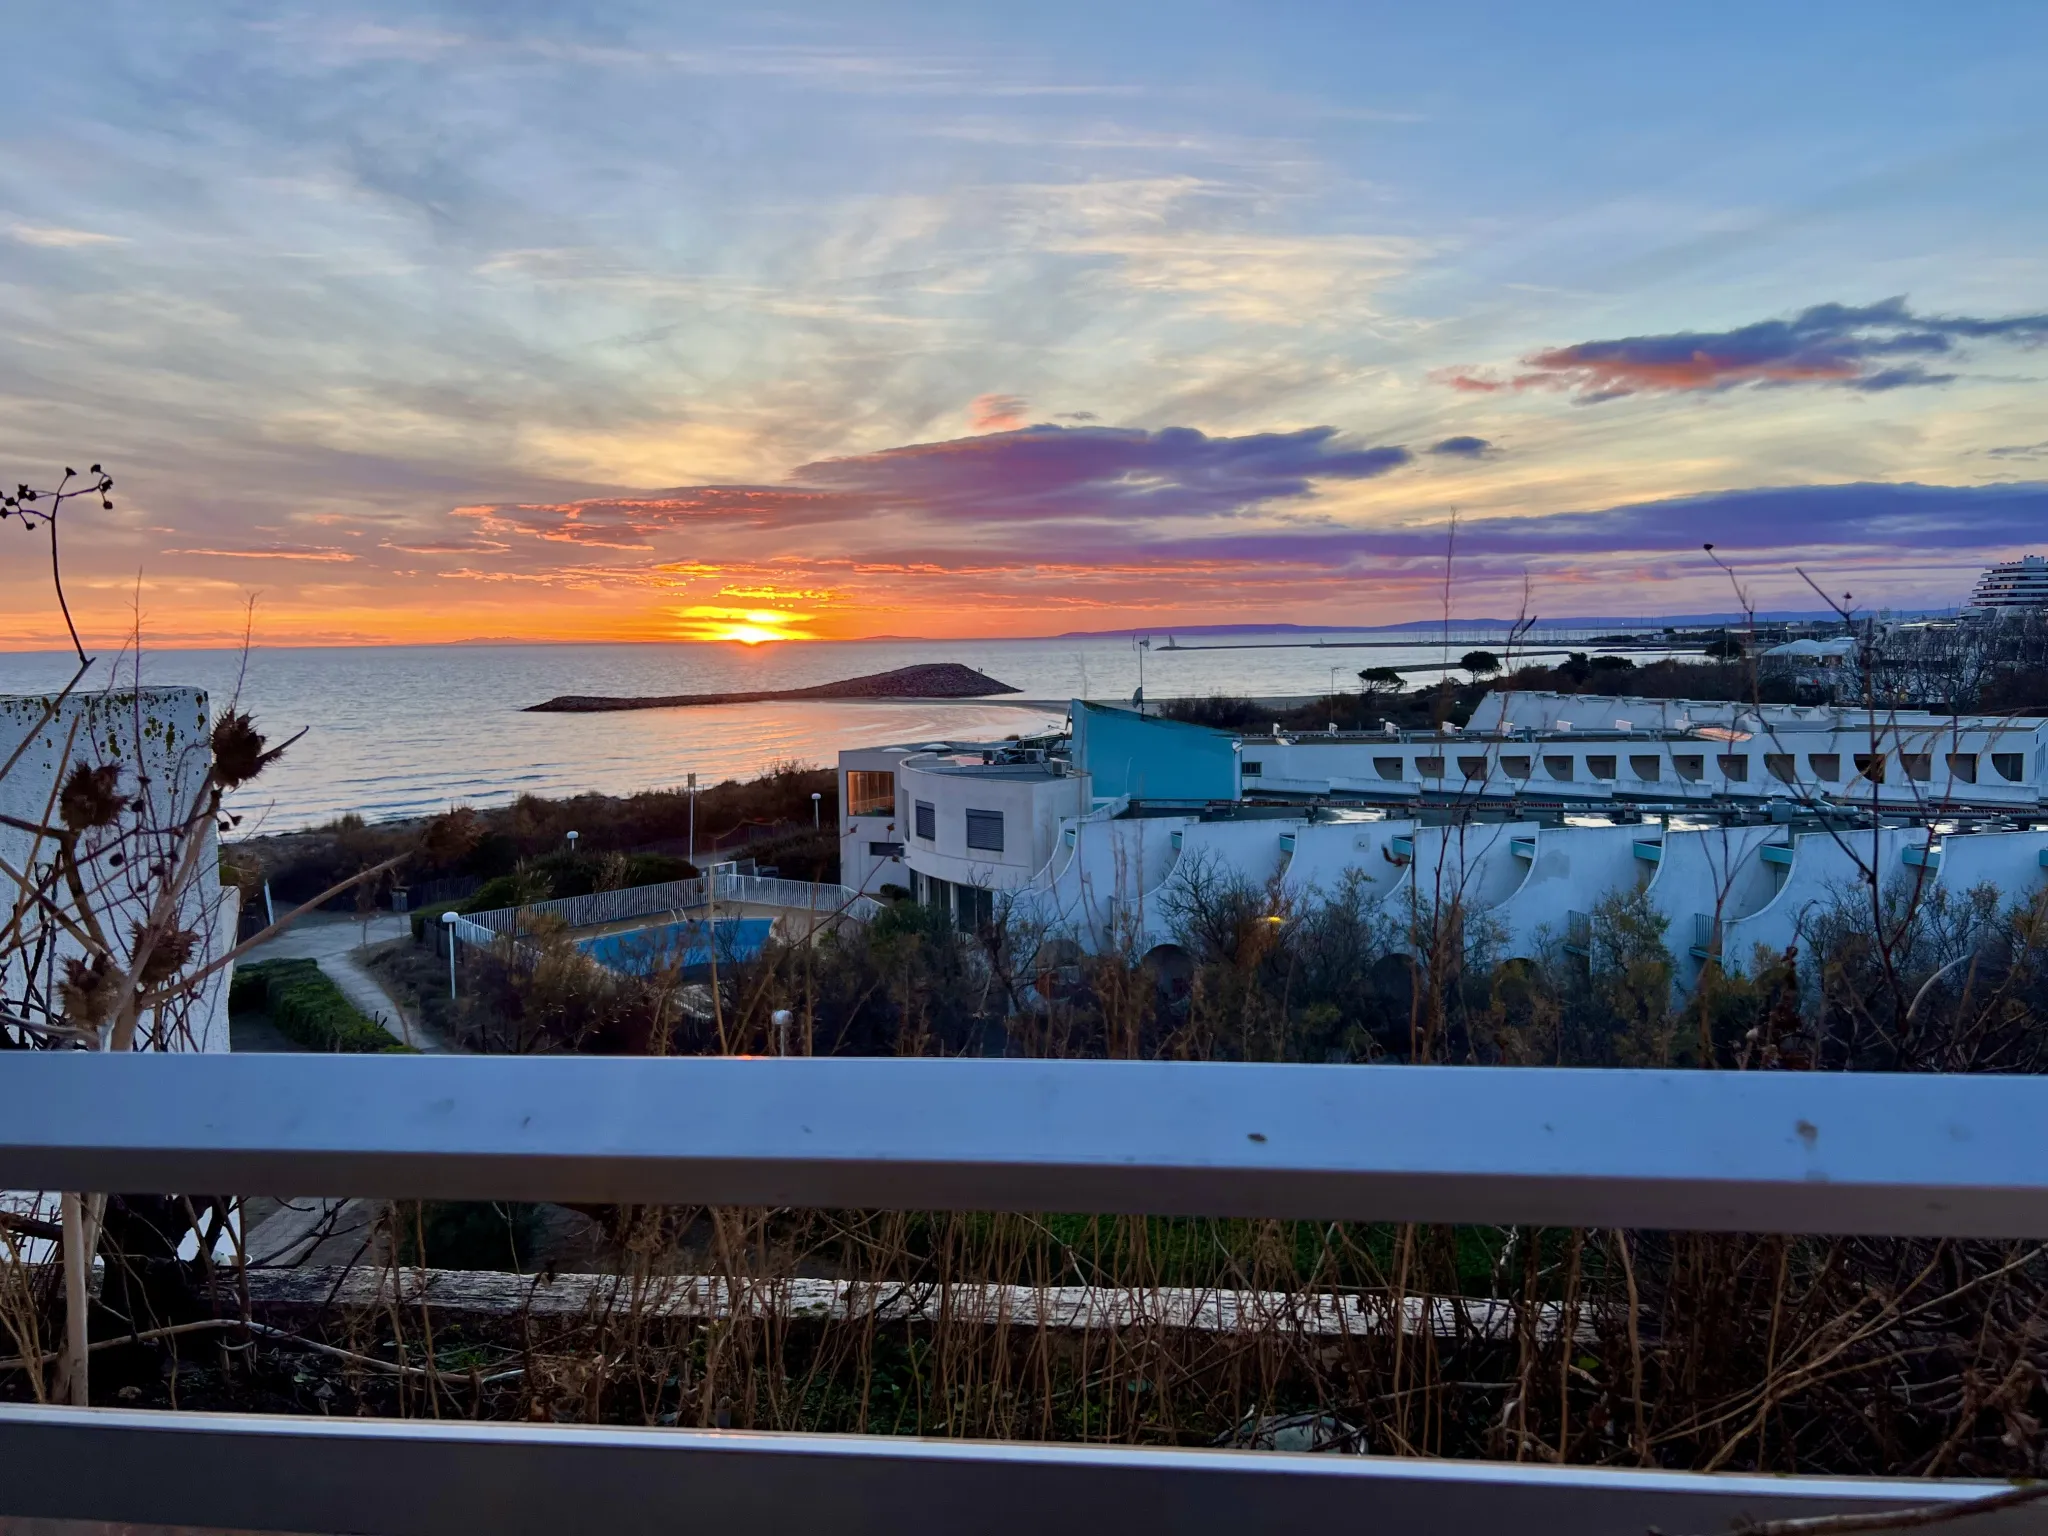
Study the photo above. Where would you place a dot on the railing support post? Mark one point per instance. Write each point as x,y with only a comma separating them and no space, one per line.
77,1387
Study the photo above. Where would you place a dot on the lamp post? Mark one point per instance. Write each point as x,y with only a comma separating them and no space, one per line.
817,811
693,820
448,923
572,843
781,1019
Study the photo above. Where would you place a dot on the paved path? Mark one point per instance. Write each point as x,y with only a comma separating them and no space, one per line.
331,939
328,1231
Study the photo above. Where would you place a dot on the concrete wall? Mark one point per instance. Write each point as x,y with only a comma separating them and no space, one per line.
1033,804
156,734
859,865
1571,870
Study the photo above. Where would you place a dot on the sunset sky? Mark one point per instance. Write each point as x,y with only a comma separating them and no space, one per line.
624,322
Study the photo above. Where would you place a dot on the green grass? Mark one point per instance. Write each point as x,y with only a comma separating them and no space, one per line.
308,1007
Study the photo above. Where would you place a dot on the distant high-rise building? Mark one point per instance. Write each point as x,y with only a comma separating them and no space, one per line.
2019,583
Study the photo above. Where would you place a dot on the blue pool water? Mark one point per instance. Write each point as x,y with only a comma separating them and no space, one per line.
686,946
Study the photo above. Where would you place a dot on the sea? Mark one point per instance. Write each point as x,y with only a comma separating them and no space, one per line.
401,731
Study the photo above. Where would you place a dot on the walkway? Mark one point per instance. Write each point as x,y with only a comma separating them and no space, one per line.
332,939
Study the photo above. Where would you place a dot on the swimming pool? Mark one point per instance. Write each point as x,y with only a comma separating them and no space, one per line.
687,947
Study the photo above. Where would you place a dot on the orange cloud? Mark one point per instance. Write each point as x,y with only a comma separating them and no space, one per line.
997,413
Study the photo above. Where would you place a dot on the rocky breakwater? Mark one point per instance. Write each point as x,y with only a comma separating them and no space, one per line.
929,680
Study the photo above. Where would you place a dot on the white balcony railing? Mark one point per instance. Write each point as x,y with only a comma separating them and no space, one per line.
1806,1152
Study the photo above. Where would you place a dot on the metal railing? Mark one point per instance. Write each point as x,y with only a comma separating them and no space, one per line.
601,907
1698,1151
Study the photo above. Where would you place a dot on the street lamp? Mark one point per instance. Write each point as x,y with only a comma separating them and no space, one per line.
781,1019
817,801
448,921
693,820
572,843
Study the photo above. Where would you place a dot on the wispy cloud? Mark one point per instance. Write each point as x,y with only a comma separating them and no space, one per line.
325,556
58,238
997,413
1872,348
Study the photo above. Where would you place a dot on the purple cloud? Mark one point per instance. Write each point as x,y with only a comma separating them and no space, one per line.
1462,447
1033,475
1870,347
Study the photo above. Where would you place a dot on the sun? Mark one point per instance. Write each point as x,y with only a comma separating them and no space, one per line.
744,626
751,634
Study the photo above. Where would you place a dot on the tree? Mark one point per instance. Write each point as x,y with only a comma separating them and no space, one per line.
1480,663
1726,648
1376,680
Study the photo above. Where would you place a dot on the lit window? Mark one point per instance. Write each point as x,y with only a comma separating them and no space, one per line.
870,794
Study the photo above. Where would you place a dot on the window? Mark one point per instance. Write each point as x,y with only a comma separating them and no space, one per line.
1601,766
1515,767
1472,767
870,794
927,821
1430,767
1962,767
977,907
1252,768
1690,766
1735,767
1387,767
1826,766
1558,767
985,831
1648,769
885,850
1870,765
938,893
1919,766
1779,766
2011,766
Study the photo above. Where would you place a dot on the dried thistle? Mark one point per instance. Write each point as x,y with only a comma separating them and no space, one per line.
89,797
89,993
238,754
167,956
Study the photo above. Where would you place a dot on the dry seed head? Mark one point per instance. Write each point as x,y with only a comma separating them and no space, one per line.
88,992
167,956
89,797
237,750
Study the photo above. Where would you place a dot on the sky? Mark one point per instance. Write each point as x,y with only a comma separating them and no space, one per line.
623,322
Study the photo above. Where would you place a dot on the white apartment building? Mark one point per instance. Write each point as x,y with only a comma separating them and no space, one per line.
1737,822
2021,583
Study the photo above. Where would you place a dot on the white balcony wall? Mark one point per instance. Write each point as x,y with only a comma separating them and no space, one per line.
1572,869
